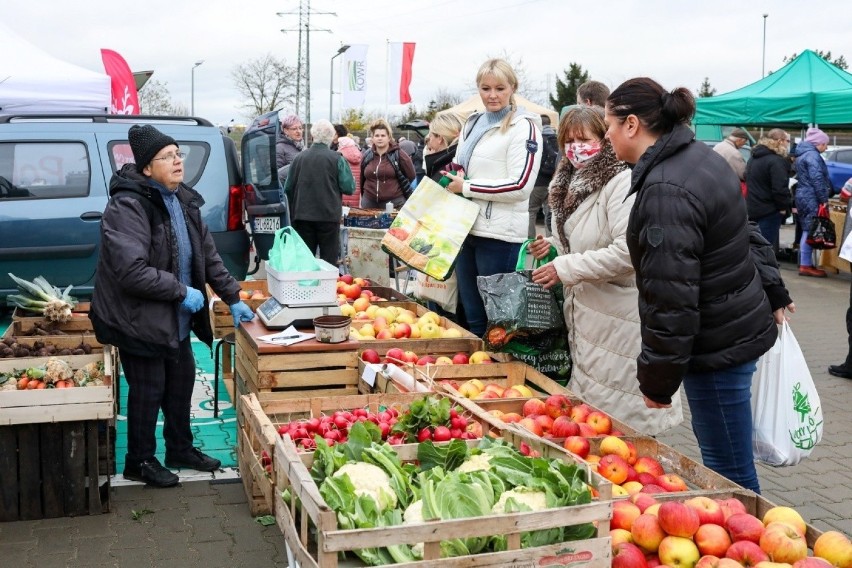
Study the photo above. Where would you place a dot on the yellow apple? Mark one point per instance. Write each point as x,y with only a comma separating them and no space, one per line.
405,318
478,357
524,390
468,390
443,361
389,316
451,333
415,331
429,330
371,311
347,310
480,386
367,329
431,316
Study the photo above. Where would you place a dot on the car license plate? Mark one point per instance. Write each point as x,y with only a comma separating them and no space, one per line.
267,224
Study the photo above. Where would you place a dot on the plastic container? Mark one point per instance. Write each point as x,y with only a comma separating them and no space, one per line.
300,288
332,329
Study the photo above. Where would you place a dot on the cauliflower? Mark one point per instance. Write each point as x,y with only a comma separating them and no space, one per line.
57,370
372,481
534,499
95,369
478,462
414,513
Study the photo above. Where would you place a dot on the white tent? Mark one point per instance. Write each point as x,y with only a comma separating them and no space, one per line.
32,81
474,104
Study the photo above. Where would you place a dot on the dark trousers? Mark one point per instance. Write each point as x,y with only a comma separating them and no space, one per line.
769,227
322,234
849,330
155,384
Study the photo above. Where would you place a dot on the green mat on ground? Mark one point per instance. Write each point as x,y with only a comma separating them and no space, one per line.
214,436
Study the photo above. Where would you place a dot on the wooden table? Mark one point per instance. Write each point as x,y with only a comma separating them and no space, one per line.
828,259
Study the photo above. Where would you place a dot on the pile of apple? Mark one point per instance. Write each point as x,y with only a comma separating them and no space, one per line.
350,289
398,356
716,533
252,295
394,322
475,389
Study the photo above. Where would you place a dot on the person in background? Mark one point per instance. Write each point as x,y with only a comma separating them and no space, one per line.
499,154
290,142
813,190
156,257
384,169
317,179
710,293
844,370
347,148
442,141
414,152
549,159
592,93
767,176
601,310
340,131
729,148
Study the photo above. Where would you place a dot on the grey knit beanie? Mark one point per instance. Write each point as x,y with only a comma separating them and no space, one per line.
145,142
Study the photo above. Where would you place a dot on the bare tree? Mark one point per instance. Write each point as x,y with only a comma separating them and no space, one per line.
267,83
154,98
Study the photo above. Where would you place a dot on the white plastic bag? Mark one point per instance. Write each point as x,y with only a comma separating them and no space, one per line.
785,405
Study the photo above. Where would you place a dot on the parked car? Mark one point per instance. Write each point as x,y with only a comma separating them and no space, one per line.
839,162
54,178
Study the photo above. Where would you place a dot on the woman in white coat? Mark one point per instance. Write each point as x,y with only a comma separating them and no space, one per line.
588,197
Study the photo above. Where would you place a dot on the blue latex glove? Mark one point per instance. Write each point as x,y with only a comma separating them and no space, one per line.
241,312
193,301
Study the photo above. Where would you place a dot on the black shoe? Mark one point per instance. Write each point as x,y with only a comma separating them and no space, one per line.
842,371
193,459
150,472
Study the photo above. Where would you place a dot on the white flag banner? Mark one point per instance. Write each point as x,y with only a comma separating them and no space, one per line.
355,78
399,74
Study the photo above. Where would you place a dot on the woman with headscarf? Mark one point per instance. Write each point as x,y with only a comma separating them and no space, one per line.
814,188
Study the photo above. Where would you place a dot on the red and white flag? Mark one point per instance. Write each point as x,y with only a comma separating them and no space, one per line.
125,99
399,78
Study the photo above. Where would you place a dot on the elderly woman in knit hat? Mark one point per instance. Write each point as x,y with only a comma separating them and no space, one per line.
290,142
156,257
814,189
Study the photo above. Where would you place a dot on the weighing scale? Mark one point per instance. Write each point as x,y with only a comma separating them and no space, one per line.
276,315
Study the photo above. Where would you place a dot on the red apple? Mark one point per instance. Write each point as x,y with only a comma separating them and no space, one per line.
580,412
370,356
510,417
731,506
409,356
787,515
710,561
647,464
430,360
395,355
384,334
746,553
742,526
646,478
534,407
815,562
647,532
613,468
545,421
401,330
708,511
600,422
586,430
835,547
617,536
678,552
557,405
461,359
345,278
653,560
632,452
632,475
678,520
652,489
783,542
577,445
351,291
642,500
531,425
564,427
627,555
623,515
712,539
671,482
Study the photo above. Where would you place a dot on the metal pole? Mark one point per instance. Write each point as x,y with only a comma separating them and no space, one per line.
308,71
763,64
340,51
192,88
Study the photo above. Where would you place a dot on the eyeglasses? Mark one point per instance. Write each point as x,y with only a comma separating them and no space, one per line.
294,128
171,157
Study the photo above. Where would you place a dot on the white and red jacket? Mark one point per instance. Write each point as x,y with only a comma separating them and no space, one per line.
501,175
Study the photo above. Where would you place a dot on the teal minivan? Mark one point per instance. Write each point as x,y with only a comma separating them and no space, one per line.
54,177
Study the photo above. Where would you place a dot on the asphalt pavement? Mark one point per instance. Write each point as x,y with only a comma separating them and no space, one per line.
207,523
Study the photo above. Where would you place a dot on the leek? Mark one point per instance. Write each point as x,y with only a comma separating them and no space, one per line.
42,297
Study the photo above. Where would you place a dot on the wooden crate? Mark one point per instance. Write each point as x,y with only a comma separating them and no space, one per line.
59,405
70,340
419,345
52,470
220,313
387,293
310,525
78,324
257,431
80,310
282,372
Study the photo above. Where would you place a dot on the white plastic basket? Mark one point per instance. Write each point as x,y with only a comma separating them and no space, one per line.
299,288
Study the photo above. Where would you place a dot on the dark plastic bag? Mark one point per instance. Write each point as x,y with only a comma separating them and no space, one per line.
821,234
517,307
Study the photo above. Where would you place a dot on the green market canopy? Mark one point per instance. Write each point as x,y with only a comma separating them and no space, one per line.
808,90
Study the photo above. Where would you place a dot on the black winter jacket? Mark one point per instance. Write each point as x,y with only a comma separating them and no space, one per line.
137,288
767,179
701,292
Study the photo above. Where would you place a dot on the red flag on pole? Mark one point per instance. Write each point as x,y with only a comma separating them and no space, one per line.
401,60
125,99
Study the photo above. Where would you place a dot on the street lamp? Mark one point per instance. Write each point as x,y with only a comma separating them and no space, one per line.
763,65
192,104
342,49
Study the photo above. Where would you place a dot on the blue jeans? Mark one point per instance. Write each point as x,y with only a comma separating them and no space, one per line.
806,253
769,227
720,403
480,256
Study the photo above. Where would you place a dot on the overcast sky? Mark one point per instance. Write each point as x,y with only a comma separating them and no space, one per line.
676,42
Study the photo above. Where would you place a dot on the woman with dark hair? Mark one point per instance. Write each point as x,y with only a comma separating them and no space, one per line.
708,282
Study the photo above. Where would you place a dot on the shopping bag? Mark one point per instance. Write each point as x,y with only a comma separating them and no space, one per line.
546,352
785,405
289,253
430,229
821,234
445,294
517,307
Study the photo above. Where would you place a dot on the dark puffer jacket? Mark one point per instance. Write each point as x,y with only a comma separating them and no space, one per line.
137,289
767,178
701,283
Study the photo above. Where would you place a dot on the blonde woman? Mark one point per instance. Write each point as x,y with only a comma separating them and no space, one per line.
768,180
498,156
442,142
